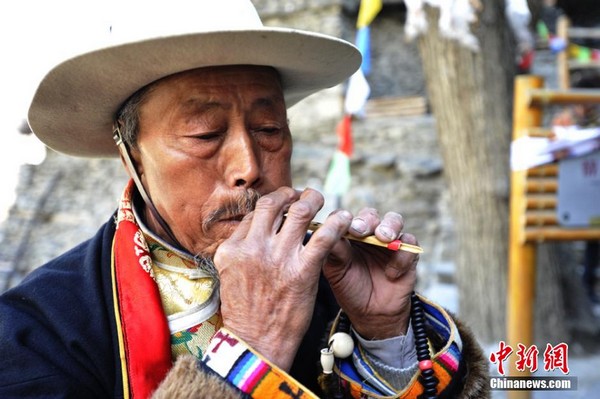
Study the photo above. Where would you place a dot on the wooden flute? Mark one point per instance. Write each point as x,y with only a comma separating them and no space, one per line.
395,245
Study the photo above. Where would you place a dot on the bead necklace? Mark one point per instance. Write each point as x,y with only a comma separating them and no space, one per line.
341,346
427,377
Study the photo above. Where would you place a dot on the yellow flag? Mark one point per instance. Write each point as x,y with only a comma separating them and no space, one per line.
367,12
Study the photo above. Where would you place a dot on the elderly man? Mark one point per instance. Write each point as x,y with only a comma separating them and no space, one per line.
205,283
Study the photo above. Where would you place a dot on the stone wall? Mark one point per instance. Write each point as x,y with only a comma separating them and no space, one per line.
60,203
396,165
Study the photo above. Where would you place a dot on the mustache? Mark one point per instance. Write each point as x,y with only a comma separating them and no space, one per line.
242,204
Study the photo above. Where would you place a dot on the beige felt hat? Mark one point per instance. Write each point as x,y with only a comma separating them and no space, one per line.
73,108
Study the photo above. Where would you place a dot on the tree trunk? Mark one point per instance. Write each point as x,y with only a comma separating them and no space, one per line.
471,97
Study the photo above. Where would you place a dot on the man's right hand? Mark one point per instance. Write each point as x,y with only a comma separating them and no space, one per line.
268,278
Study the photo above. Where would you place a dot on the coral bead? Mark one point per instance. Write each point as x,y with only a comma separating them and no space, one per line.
425,365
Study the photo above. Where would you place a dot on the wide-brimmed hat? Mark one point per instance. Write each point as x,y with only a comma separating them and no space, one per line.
73,108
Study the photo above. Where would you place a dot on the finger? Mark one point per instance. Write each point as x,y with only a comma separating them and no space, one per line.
410,262
269,210
327,236
405,261
390,227
300,214
408,238
365,222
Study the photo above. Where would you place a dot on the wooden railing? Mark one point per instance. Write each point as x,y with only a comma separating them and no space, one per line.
533,202
564,62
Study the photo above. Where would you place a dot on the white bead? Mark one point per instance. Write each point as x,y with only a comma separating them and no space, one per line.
341,344
327,360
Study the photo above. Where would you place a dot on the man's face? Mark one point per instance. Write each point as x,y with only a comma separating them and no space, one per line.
207,138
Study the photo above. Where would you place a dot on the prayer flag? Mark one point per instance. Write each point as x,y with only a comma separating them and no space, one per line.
344,133
357,94
339,176
363,42
367,12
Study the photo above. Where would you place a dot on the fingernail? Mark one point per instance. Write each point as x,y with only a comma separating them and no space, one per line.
387,232
346,215
359,226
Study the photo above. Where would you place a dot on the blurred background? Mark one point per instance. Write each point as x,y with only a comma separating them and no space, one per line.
430,139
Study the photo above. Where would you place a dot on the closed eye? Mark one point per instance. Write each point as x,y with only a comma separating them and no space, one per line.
208,136
268,130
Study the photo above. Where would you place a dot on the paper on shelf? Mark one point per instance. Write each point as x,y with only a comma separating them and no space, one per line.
568,141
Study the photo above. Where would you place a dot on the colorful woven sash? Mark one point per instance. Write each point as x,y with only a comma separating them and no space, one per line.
250,373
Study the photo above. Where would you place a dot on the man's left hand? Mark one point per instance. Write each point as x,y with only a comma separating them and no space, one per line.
373,284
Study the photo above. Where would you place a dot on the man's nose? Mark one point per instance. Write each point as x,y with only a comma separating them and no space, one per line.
242,160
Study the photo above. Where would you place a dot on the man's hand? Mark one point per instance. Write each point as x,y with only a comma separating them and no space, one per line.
373,284
268,278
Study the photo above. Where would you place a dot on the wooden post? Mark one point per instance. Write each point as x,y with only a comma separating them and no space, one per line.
522,254
541,97
562,58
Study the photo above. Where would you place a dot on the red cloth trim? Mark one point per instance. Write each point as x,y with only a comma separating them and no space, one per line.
146,333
